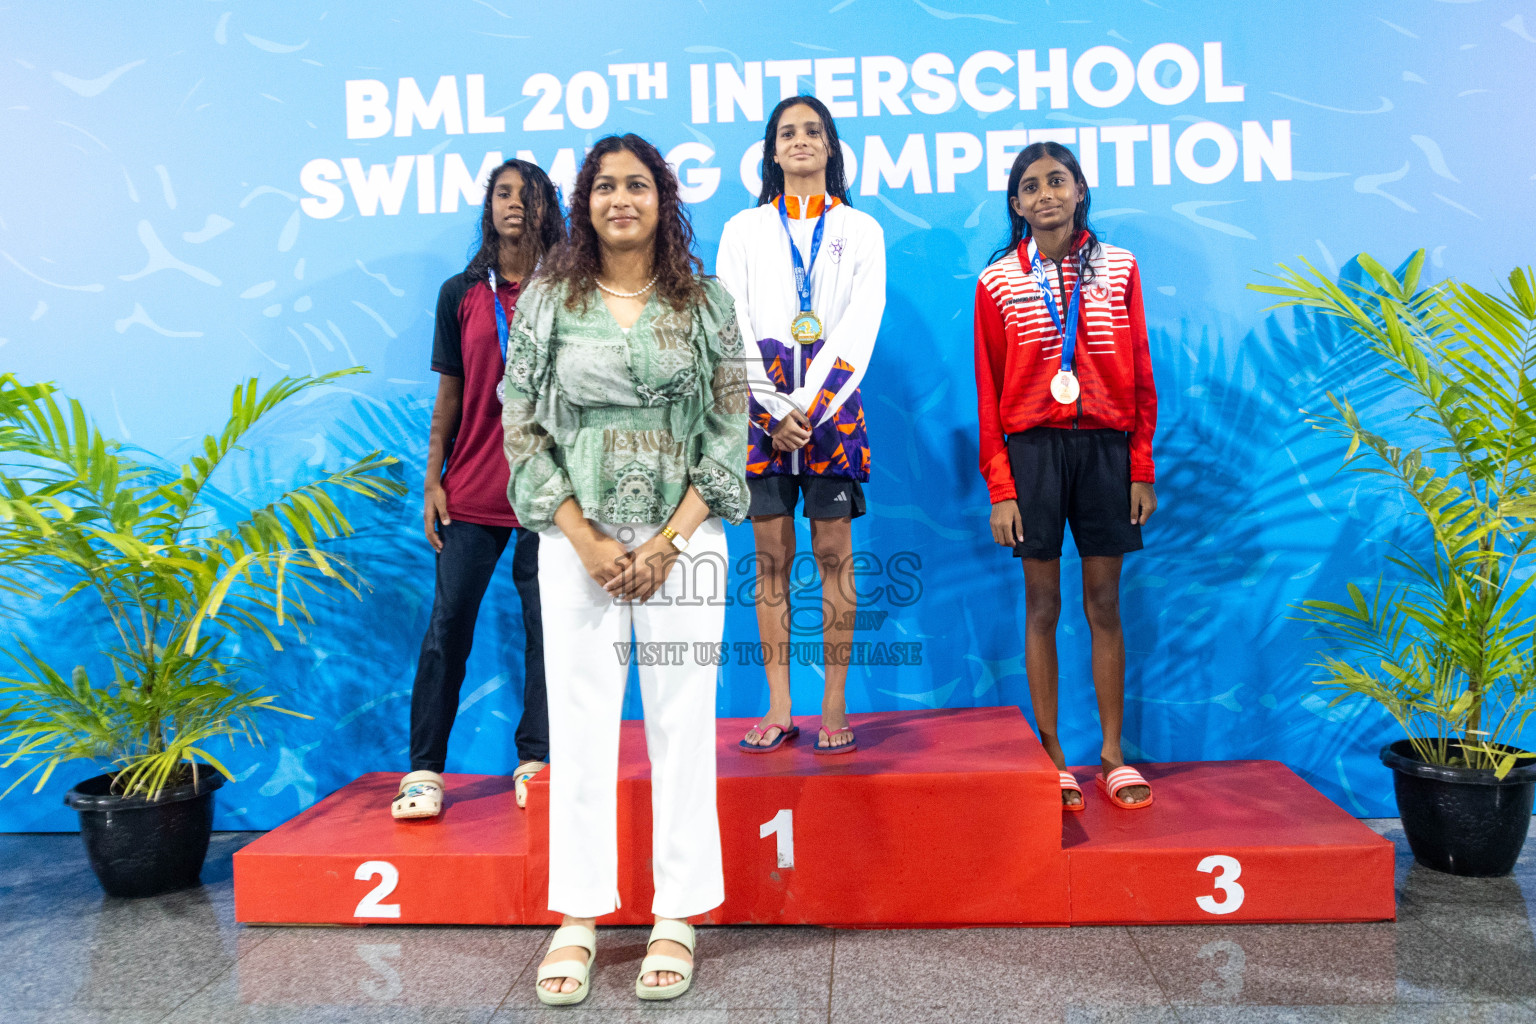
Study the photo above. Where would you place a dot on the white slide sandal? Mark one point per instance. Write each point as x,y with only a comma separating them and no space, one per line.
680,932
525,771
420,796
568,935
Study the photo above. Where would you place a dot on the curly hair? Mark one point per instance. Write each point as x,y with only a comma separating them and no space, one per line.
577,262
541,213
773,174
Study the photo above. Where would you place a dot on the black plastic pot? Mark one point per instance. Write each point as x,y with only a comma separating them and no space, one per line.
1463,821
140,847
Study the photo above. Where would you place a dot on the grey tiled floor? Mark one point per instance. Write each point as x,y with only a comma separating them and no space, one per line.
1462,950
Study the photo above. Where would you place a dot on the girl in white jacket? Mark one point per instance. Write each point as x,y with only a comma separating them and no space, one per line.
807,272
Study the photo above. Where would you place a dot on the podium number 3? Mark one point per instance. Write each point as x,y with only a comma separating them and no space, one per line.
389,877
782,825
1226,869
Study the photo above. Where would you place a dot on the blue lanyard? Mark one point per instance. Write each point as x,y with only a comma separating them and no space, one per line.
1069,331
803,272
501,319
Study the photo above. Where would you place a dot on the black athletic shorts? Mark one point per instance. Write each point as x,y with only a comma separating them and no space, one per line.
826,497
1081,477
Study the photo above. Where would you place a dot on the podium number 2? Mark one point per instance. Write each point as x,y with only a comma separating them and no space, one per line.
389,877
1226,869
783,826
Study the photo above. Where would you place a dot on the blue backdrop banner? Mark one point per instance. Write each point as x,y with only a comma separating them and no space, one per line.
199,192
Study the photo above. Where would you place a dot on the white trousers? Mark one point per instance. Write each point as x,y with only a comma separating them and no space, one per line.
585,633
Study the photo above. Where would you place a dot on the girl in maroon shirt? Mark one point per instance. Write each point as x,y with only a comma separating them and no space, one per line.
465,515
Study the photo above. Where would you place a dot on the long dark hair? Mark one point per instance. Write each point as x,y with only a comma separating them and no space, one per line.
1018,227
578,260
773,174
543,226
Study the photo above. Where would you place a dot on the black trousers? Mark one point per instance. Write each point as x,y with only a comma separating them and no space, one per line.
464,567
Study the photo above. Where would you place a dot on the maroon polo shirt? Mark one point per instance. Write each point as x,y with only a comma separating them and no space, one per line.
465,345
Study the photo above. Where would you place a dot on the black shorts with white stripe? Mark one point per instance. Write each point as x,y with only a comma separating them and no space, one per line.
826,497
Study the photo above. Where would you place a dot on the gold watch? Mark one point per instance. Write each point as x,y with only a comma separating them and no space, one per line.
677,540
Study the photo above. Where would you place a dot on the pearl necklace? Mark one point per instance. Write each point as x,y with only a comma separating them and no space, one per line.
628,295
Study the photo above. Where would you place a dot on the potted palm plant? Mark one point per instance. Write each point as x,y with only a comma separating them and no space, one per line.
1444,641
82,518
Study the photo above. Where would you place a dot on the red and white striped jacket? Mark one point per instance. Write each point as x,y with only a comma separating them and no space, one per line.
1018,351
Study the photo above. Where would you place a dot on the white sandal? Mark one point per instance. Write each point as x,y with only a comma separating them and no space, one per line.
680,932
525,771
569,935
420,796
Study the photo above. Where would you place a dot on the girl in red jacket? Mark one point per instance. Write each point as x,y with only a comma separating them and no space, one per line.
1067,410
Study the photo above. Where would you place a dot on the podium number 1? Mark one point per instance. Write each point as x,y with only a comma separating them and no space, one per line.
1226,870
389,877
783,826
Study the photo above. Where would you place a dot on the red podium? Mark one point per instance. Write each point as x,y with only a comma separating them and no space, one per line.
940,818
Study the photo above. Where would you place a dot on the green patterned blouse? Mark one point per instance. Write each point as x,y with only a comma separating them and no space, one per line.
624,422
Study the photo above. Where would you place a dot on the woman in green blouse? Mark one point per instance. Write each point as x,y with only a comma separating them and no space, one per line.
626,432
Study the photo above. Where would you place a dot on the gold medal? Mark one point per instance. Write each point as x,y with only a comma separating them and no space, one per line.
1064,387
805,328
